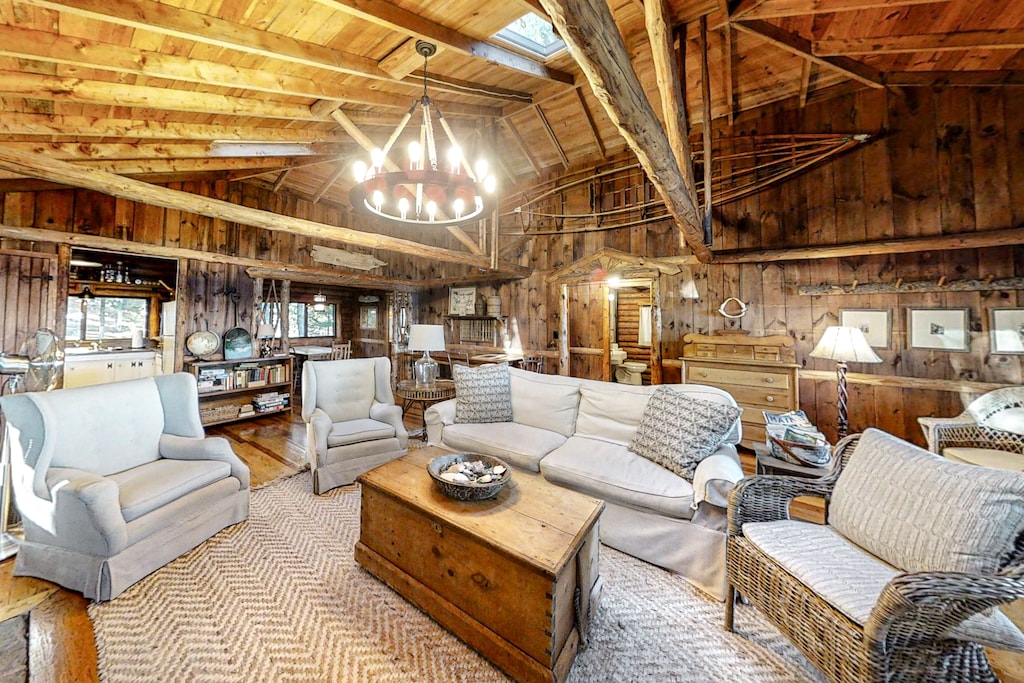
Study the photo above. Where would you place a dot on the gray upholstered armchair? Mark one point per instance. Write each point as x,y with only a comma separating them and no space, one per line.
115,480
352,422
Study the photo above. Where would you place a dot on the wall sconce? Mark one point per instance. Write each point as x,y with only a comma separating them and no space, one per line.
87,293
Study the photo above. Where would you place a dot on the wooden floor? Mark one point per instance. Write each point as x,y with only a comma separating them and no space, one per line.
61,644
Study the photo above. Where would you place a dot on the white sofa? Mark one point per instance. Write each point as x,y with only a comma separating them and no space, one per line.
576,433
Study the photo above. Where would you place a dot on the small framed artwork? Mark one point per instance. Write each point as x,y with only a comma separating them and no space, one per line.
367,317
1007,329
462,301
943,329
875,323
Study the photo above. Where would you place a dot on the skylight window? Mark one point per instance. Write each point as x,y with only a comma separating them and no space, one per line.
533,34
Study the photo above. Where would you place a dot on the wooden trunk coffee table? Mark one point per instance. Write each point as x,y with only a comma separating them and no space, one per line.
501,574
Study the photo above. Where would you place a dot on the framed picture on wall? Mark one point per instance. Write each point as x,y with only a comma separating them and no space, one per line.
462,301
875,323
942,329
367,317
1007,330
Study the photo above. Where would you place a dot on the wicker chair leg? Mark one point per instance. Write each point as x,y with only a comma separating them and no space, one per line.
730,606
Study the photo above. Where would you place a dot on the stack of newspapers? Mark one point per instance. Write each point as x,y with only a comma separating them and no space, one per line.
793,438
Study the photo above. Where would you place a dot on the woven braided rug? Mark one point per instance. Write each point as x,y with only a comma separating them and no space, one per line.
280,598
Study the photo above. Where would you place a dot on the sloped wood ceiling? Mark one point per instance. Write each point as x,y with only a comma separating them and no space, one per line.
145,88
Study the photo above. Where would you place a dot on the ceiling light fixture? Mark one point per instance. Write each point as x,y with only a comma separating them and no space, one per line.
422,193
319,302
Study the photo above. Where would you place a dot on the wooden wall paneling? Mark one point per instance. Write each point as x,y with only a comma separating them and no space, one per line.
1013,104
55,210
87,212
149,224
752,292
773,298
872,117
172,223
913,162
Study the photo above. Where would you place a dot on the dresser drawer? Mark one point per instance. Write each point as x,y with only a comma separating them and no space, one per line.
737,351
754,433
772,400
750,377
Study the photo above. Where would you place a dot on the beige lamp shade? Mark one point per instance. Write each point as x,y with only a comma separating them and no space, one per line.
426,338
845,344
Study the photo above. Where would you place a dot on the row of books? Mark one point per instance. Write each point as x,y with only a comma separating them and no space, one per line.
241,376
270,401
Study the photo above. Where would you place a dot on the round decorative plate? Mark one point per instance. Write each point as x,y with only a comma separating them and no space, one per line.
202,343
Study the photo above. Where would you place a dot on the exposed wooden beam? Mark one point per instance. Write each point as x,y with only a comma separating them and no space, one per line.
546,127
523,147
591,125
49,47
1007,237
395,18
994,39
766,9
798,45
965,79
805,81
106,151
328,183
728,87
282,176
594,41
670,86
919,286
138,167
45,168
15,123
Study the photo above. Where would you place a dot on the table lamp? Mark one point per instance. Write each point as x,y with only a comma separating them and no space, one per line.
844,345
426,338
264,333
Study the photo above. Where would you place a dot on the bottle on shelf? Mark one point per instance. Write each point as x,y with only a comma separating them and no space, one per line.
119,274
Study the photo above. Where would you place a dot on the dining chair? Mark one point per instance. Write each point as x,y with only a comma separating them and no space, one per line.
341,351
533,363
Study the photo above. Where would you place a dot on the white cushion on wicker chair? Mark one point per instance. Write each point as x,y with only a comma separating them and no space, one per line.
851,579
986,457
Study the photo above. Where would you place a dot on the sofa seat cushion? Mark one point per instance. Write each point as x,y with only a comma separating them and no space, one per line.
150,486
851,579
519,445
615,474
972,519
986,457
356,431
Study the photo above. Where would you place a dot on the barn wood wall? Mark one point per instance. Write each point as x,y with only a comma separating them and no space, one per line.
946,162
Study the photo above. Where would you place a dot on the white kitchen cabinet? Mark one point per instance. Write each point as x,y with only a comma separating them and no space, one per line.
102,368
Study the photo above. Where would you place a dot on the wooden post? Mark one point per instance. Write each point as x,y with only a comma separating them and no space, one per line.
563,333
60,272
286,298
606,326
656,377
705,97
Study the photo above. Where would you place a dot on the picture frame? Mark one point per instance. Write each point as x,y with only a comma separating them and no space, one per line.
939,329
1006,329
367,317
462,301
874,323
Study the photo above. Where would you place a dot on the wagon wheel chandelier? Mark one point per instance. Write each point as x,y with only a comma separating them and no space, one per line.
421,192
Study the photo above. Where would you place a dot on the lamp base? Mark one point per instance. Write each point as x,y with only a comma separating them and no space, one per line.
425,370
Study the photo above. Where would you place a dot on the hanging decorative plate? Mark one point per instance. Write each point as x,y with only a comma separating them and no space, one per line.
237,344
203,343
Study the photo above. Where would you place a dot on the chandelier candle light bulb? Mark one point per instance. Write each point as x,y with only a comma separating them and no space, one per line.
460,194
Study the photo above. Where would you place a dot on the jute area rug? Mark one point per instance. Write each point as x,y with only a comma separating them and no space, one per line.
280,598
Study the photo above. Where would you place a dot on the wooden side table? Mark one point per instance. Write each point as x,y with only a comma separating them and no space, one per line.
425,396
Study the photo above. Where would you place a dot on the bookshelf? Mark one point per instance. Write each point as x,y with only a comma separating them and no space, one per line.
232,390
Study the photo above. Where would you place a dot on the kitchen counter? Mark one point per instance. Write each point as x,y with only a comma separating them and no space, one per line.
83,366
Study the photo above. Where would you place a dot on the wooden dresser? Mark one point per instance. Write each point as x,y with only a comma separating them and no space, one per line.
759,372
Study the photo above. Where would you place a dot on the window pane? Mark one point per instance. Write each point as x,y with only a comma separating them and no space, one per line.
296,320
320,323
106,317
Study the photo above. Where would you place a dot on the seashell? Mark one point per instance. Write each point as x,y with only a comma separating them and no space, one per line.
498,470
454,467
449,476
486,479
460,478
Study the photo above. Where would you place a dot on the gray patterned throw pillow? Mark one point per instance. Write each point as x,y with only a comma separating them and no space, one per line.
482,394
678,431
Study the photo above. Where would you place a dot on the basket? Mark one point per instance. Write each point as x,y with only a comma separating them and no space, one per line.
818,454
468,491
218,413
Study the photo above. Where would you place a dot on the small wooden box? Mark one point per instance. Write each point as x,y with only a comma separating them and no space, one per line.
500,574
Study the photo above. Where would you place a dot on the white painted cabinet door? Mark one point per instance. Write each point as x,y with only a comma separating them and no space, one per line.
83,372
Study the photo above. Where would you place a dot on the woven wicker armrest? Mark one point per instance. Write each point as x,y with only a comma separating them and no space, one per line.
767,498
926,605
929,425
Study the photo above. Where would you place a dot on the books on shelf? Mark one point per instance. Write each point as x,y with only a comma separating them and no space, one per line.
270,401
241,376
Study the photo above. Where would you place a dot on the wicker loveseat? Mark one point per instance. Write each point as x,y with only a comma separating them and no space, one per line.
899,584
990,432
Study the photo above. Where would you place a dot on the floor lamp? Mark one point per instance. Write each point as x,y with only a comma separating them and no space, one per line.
844,345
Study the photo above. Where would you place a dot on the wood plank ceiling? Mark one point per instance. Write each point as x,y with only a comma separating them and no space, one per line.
146,88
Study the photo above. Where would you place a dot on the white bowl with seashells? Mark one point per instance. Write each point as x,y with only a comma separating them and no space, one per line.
469,476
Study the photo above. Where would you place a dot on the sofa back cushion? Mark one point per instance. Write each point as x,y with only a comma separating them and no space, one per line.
921,512
104,428
611,412
344,389
545,401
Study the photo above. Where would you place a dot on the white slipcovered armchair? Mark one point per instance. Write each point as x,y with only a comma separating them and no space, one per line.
113,481
352,422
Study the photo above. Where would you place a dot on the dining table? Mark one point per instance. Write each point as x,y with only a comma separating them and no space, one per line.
303,353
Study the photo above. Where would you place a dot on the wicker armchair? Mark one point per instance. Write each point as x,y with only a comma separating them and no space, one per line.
990,432
905,638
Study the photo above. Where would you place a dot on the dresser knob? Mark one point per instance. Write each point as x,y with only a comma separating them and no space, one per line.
769,380
770,399
703,373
